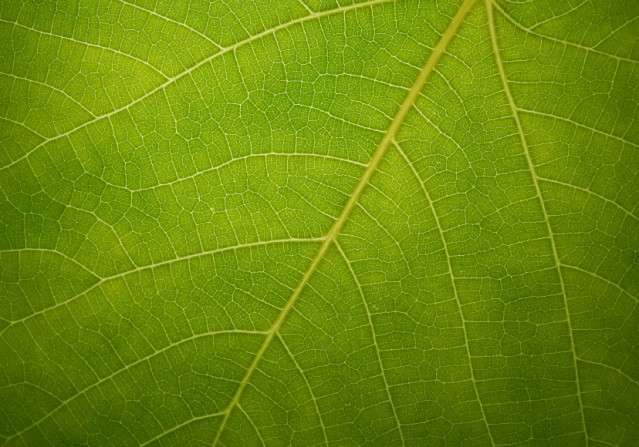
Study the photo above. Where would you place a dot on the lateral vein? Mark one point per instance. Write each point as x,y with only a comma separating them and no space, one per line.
536,180
219,53
364,180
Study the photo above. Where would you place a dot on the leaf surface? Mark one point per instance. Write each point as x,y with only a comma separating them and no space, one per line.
319,223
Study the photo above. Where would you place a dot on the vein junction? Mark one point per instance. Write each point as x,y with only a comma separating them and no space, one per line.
334,232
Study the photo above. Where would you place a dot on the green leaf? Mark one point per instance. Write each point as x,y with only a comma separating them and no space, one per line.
319,222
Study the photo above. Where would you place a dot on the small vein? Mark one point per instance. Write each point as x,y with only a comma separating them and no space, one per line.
24,126
146,358
107,279
575,123
204,61
55,89
170,20
52,251
88,44
592,193
308,385
596,275
453,283
616,30
374,334
179,426
565,13
554,39
618,371
248,418
244,158
305,6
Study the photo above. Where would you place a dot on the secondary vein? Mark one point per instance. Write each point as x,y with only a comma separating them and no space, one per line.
535,179
364,180
199,64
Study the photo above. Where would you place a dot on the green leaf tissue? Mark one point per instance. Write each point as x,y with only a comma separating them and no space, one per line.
319,223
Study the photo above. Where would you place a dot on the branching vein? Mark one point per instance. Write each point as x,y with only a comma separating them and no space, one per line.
334,232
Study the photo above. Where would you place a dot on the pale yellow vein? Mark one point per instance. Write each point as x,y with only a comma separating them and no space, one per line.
364,180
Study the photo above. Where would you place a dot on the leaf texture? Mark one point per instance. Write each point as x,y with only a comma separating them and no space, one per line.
314,222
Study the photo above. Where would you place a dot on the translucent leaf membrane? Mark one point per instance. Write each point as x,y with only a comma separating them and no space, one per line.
313,222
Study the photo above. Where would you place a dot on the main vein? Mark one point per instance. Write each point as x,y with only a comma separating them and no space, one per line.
364,180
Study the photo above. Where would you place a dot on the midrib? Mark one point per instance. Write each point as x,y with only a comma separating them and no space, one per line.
364,180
